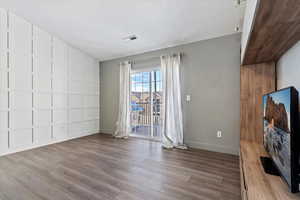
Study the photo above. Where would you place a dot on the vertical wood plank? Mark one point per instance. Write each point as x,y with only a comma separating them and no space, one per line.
256,80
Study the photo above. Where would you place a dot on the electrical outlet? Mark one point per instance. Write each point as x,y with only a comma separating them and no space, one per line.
219,134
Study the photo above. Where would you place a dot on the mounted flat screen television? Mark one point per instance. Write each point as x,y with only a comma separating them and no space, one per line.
281,135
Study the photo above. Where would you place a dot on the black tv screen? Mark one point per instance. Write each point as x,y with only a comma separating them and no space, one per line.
280,122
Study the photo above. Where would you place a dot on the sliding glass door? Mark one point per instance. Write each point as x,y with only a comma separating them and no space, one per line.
146,92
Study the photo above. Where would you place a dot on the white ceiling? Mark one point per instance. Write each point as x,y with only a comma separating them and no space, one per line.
98,26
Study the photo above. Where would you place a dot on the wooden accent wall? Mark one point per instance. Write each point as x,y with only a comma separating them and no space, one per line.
256,80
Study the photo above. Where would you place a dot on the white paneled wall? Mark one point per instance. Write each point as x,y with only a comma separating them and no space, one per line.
20,83
49,91
84,94
3,83
42,90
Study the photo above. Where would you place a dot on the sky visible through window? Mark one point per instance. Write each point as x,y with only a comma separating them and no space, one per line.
140,82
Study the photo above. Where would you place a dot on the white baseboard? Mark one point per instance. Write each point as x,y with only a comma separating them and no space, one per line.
196,145
193,144
212,147
34,146
107,131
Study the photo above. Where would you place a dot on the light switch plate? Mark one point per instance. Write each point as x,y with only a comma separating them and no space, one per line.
188,98
219,134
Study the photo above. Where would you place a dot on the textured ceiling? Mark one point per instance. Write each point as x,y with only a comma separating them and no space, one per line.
98,26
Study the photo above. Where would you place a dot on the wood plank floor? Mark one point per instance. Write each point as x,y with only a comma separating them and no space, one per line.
100,167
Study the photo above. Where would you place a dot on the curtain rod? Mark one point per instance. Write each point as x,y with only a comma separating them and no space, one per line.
154,57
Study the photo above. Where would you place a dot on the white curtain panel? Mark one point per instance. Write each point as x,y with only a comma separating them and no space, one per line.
172,122
123,123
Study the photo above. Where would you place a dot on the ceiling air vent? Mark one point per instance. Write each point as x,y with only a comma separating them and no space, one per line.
130,38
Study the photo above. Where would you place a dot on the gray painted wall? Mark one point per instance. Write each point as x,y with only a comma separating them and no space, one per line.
210,73
288,69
